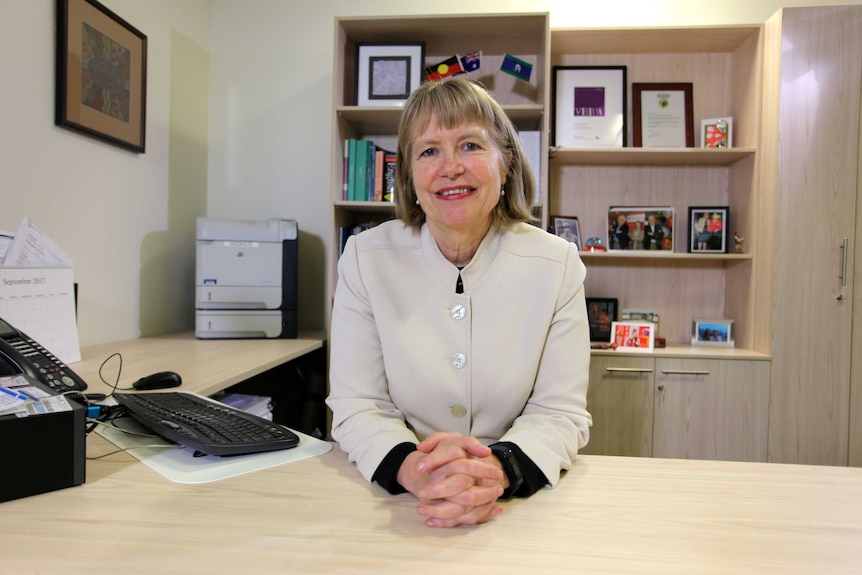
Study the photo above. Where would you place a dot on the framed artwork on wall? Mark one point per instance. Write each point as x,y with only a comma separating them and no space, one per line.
387,72
590,106
101,74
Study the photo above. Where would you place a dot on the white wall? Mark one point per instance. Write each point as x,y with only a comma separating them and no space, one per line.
238,121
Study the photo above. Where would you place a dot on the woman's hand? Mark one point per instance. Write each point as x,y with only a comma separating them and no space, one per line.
456,479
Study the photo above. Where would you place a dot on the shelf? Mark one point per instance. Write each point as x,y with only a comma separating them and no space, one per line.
701,39
680,350
367,207
649,156
384,120
662,256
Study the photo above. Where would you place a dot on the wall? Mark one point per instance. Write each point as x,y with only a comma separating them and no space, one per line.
238,111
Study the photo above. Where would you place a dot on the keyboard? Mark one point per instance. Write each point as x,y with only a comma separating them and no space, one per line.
205,425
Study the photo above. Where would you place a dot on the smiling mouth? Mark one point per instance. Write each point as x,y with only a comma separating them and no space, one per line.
454,192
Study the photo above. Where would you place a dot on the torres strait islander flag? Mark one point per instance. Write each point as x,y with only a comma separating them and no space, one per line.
448,67
516,67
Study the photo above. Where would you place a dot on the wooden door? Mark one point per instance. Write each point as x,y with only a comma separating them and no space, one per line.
620,399
816,131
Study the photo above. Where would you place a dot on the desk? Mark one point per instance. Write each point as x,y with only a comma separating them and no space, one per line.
608,515
207,366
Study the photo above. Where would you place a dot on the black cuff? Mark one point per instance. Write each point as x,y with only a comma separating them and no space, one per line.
533,477
386,474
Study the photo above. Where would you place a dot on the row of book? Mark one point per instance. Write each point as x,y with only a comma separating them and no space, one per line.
369,172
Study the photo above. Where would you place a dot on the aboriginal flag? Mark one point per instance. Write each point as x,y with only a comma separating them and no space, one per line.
448,67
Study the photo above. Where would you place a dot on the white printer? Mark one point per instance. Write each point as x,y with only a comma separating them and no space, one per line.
246,278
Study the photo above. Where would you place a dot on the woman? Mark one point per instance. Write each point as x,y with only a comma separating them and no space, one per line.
459,343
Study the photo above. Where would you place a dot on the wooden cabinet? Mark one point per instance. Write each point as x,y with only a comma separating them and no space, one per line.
679,407
810,184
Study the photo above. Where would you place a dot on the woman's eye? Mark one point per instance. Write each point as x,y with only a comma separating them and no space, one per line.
471,146
428,153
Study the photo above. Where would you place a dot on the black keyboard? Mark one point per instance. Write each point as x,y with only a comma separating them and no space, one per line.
205,425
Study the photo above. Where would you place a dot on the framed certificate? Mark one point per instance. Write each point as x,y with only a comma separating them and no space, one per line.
589,108
663,115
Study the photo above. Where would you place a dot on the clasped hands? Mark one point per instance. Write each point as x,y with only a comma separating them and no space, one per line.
456,479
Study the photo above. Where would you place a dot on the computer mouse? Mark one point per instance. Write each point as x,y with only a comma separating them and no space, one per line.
160,380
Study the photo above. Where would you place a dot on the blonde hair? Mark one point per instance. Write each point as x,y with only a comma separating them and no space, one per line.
452,102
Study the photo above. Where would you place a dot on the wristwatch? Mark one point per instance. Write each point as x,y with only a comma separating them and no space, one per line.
511,467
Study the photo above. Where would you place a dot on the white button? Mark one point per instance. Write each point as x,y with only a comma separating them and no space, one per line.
459,360
458,312
458,411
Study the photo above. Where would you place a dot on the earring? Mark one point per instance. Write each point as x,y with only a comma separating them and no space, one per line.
417,202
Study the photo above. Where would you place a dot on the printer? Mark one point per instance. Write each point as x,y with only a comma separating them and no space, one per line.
246,278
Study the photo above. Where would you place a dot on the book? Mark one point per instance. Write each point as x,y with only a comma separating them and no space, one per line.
361,180
351,170
389,176
345,167
378,174
369,183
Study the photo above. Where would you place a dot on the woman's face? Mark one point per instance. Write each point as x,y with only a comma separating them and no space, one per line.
457,175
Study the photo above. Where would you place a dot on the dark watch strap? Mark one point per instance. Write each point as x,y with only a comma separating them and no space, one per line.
511,467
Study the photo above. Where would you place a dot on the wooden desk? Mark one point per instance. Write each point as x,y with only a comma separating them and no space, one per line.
206,365
608,515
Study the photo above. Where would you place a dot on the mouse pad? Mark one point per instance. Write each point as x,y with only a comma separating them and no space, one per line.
178,463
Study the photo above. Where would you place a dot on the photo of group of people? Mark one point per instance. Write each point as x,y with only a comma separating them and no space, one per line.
640,229
600,314
708,230
633,336
712,332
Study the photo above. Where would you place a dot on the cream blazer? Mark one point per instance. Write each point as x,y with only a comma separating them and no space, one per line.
507,360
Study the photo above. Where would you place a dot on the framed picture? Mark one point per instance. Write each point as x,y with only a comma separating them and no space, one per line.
101,74
716,133
589,107
708,229
633,336
712,332
640,229
601,313
568,228
663,115
387,72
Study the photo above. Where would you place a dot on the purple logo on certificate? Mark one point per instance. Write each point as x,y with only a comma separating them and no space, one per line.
589,101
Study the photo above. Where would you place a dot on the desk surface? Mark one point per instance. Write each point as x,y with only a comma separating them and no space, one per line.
206,365
608,515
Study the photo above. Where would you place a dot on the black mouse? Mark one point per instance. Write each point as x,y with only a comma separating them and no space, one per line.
160,380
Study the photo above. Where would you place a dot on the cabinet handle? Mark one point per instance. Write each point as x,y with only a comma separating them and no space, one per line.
683,372
628,370
844,250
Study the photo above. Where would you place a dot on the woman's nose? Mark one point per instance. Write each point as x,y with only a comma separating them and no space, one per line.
452,165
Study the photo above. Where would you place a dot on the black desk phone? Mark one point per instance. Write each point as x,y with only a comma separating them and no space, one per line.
20,354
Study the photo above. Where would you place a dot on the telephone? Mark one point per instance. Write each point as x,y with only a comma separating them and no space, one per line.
20,354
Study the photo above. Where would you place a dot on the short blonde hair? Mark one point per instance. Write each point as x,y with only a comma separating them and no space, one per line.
452,102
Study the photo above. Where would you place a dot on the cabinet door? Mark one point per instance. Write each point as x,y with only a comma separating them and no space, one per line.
620,399
711,409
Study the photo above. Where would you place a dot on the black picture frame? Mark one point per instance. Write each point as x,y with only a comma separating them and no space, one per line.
601,313
568,228
574,126
105,98
387,72
704,235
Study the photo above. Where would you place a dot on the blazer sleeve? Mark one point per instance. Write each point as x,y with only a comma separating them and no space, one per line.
365,421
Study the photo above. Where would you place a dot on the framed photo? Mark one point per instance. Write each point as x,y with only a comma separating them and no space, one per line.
633,336
589,107
712,332
568,228
708,227
716,133
387,72
663,115
601,313
101,74
640,229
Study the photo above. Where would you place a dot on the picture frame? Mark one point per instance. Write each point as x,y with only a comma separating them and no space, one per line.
663,115
568,228
601,313
648,228
712,332
716,132
633,336
105,98
387,72
708,229
589,108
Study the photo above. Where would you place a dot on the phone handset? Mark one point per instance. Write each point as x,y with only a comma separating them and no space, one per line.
19,354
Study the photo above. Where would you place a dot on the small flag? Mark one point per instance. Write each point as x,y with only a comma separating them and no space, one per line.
517,68
448,67
472,61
